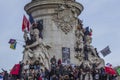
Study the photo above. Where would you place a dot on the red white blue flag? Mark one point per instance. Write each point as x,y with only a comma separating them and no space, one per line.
25,23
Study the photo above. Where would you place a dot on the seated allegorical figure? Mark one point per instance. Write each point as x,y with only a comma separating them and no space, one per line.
40,51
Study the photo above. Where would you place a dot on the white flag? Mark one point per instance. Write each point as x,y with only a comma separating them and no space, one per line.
105,51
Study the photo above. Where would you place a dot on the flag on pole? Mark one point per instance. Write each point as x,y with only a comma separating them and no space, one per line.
31,19
106,51
13,46
118,71
15,70
25,23
110,70
11,41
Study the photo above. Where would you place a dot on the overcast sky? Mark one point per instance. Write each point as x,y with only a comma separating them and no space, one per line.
103,16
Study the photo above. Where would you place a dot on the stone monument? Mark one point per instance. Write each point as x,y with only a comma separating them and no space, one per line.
63,34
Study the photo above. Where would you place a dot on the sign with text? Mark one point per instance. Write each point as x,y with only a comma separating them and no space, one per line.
65,55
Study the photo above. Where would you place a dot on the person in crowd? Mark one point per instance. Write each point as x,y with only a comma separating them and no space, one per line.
47,72
53,60
97,75
37,66
40,28
5,74
26,67
86,52
31,66
65,72
5,77
42,74
59,62
25,75
60,72
32,38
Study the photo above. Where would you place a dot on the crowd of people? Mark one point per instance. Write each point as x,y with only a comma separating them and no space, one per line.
58,71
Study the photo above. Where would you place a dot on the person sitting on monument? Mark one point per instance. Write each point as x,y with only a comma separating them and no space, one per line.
86,50
34,25
93,51
26,38
87,38
97,53
37,25
34,34
53,60
32,39
40,28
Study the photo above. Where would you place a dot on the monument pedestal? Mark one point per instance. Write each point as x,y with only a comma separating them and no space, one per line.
59,24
